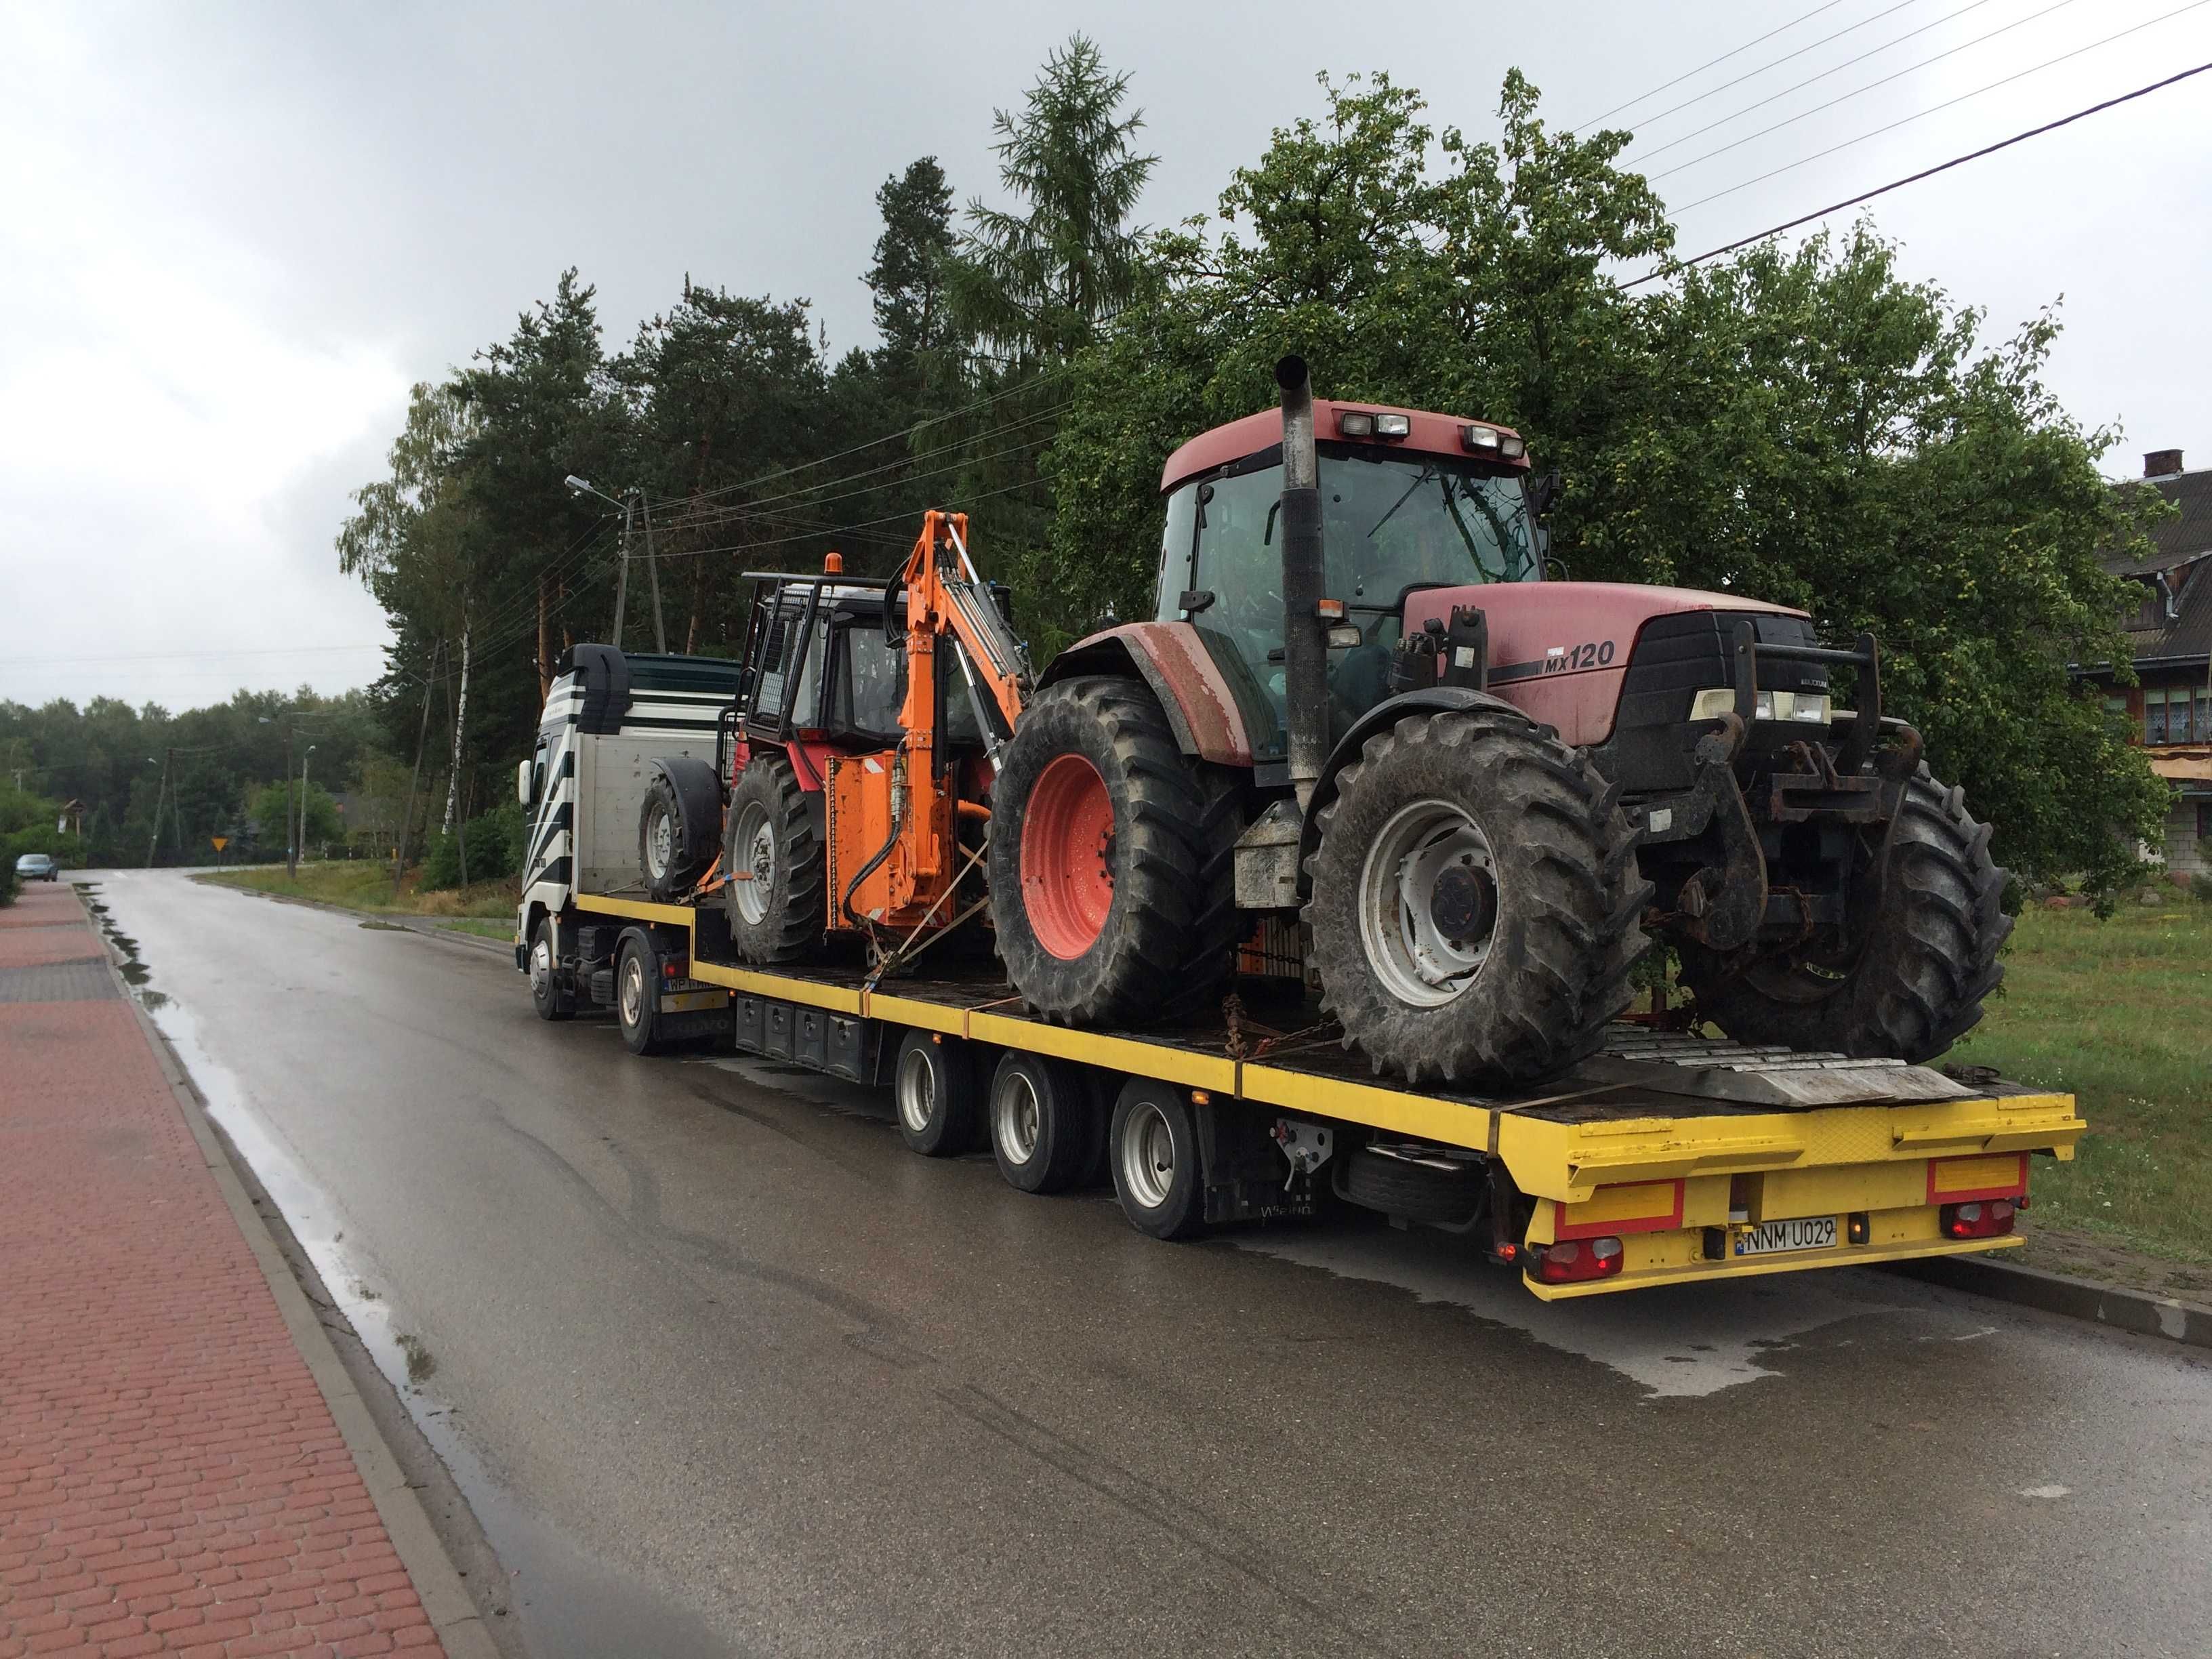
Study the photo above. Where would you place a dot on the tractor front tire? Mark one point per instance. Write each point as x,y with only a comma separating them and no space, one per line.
776,870
1476,901
1113,889
1928,954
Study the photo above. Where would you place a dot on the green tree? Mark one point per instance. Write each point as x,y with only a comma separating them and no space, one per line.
908,275
269,803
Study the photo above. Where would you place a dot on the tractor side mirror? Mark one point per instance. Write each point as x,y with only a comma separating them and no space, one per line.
1542,493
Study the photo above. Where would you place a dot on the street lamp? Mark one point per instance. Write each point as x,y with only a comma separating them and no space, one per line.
632,498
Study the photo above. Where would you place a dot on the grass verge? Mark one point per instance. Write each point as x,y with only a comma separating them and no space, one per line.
2119,1014
358,885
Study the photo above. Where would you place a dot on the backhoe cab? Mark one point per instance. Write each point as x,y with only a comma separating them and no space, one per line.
1364,735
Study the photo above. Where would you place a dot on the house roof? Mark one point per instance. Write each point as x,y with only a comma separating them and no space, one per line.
2181,547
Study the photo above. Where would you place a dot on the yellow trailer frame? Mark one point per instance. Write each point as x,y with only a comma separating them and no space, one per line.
1681,1182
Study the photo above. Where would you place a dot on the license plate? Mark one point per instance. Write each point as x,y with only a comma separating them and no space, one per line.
1770,1237
692,1002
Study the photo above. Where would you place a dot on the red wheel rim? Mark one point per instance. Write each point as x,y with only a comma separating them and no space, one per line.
1067,851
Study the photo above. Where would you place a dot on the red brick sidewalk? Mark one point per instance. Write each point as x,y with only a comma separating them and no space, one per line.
171,1480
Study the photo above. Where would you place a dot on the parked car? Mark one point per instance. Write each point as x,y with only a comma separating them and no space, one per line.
37,867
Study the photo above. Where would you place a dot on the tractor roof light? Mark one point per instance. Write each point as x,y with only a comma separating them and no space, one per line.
1354,423
1480,437
1511,446
1393,426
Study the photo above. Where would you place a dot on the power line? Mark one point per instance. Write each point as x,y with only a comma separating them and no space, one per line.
1844,98
1918,114
1926,172
1776,63
1872,51
1688,74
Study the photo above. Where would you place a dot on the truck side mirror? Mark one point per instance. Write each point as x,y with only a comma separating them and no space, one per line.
522,781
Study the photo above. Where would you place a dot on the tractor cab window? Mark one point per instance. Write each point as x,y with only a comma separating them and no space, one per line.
1391,521
868,683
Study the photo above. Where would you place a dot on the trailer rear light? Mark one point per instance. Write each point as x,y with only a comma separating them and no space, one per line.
1578,1260
1858,1227
1988,1218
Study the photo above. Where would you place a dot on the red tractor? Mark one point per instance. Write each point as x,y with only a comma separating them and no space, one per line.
1364,733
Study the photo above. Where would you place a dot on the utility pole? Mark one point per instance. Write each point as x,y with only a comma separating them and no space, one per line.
460,721
304,761
652,572
161,792
621,576
421,741
291,844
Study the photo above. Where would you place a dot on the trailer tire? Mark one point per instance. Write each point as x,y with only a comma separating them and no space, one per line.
934,1092
1413,1188
637,995
1042,1123
1152,1151
545,992
774,868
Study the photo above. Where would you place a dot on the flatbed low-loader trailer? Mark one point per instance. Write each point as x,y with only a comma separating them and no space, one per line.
1665,1157
1668,1158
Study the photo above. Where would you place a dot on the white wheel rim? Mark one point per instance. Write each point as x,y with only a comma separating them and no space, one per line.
633,992
917,1090
1429,854
1017,1118
1148,1157
541,966
660,845
755,845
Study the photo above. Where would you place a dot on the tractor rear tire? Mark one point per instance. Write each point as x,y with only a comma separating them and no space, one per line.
1476,901
1113,886
776,870
1929,959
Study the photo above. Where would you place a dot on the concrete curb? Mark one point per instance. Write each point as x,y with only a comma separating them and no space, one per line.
427,926
2137,1311
437,1581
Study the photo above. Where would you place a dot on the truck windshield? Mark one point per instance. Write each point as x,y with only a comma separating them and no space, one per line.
1391,521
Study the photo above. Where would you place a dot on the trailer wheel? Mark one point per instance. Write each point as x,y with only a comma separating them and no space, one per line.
671,865
1042,1123
1152,1151
933,1086
637,996
545,992
1408,1184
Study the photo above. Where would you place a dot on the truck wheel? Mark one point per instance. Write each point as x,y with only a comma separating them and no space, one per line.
774,864
1043,1126
545,992
1927,954
1413,1186
933,1085
1475,901
637,996
672,866
1112,867
1152,1151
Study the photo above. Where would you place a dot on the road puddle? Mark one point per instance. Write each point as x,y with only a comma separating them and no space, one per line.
1676,1342
132,966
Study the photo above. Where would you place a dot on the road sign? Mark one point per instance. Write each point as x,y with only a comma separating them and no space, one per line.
220,841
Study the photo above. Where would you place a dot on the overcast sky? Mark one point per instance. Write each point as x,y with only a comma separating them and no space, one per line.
232,236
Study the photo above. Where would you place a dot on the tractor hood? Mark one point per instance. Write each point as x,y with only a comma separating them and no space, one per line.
1559,650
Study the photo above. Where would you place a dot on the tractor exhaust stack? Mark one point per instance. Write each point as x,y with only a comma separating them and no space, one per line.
1305,652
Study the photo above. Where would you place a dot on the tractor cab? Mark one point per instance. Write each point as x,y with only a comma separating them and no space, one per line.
819,664
1410,501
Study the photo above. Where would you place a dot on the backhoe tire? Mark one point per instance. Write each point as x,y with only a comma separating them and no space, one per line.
774,865
1927,961
1113,886
670,864
1475,901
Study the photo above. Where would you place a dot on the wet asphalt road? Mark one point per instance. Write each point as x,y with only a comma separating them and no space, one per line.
724,1369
